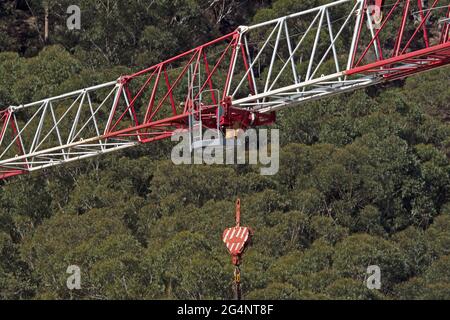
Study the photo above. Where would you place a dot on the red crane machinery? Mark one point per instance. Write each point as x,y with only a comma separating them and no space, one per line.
237,240
236,81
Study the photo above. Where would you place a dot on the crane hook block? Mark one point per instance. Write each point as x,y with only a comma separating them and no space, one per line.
237,238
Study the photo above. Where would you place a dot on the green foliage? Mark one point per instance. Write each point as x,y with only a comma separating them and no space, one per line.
364,178
280,291
350,289
109,257
433,285
185,269
354,254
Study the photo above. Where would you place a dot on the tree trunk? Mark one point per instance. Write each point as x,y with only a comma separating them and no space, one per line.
46,24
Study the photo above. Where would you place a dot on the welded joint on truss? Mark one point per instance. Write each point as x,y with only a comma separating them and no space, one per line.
14,108
242,29
123,80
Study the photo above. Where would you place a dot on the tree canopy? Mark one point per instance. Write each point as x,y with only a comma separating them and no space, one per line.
364,177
